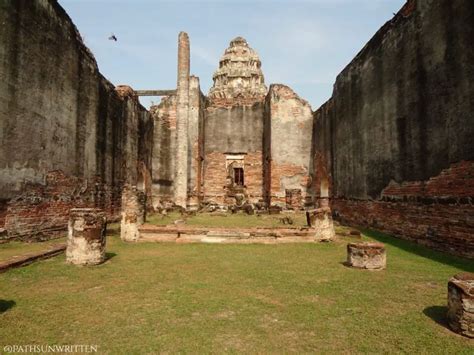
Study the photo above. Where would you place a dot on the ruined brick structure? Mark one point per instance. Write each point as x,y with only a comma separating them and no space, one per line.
234,139
391,150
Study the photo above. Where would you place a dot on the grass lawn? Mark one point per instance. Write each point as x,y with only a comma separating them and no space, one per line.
228,220
199,298
12,249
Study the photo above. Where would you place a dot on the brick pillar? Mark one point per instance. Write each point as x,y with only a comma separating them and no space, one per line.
324,202
182,114
194,142
86,236
133,213
321,221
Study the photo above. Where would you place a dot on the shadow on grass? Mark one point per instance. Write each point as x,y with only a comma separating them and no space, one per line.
346,264
411,247
6,305
109,256
438,314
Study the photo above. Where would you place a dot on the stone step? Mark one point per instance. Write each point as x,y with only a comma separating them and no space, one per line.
192,234
227,234
186,234
29,258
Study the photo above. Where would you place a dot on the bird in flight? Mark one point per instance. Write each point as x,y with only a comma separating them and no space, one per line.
113,37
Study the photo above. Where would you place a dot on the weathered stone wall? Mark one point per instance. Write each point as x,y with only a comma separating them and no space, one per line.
288,147
68,138
164,149
275,138
437,213
322,151
396,137
195,140
48,89
41,211
232,130
164,156
145,156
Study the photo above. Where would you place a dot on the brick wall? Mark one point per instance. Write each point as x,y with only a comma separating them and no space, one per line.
235,128
395,139
288,176
164,136
438,213
452,185
254,175
224,102
197,103
215,177
443,226
288,146
42,211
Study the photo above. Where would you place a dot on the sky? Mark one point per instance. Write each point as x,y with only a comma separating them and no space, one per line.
304,44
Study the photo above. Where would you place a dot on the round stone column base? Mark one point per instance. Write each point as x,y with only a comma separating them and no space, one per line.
461,304
366,255
86,236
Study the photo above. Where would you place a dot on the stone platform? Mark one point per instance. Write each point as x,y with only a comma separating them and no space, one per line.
188,234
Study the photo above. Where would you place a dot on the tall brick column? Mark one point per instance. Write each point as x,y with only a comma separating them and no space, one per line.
182,115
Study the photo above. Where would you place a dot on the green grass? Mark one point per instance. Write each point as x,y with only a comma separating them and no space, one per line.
203,298
228,220
12,249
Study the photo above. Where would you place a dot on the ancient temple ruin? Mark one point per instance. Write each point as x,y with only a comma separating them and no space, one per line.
232,152
391,149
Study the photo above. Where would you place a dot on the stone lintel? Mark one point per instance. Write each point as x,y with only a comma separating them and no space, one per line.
155,92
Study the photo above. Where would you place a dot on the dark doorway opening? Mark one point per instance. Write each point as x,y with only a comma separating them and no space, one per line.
239,176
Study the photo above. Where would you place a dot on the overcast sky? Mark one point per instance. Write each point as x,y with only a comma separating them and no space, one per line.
302,43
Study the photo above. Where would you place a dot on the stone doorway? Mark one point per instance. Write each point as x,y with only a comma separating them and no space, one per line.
235,170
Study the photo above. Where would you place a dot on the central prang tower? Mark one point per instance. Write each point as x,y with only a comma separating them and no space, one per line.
239,74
